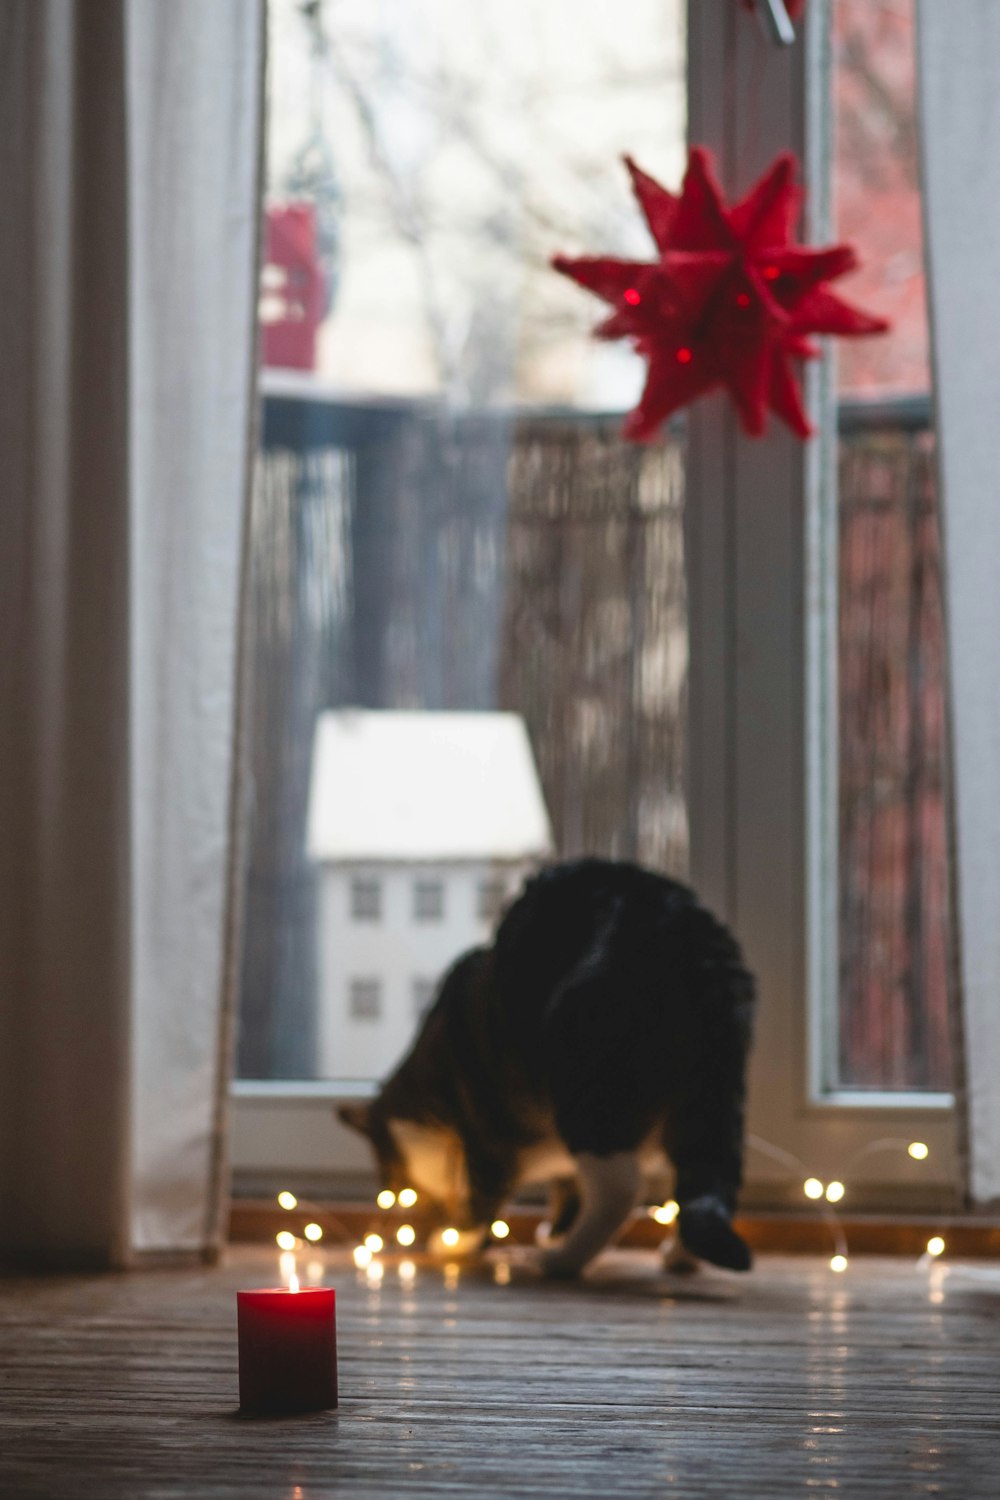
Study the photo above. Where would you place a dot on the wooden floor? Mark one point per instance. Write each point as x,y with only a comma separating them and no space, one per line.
883,1381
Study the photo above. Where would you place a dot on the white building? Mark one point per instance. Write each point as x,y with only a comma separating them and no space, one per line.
424,824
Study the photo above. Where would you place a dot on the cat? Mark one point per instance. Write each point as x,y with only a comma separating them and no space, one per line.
605,1029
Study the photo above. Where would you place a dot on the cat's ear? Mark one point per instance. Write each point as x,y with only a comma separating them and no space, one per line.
356,1113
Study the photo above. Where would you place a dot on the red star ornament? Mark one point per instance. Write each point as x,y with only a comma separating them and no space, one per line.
730,302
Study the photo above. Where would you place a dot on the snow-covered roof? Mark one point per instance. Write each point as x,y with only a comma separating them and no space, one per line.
424,786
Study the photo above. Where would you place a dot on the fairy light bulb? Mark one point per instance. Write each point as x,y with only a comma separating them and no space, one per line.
313,1232
812,1187
834,1192
918,1150
407,1198
935,1245
838,1263
285,1240
450,1237
362,1257
288,1201
386,1198
665,1213
374,1243
499,1229
405,1234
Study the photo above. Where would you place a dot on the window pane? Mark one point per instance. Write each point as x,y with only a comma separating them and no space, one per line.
446,518
428,900
365,999
366,900
490,900
893,1026
422,991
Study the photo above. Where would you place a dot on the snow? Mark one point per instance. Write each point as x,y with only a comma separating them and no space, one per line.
395,786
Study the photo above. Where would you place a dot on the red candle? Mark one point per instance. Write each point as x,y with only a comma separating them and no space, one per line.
288,1349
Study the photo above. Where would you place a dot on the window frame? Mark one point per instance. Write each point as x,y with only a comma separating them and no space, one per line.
760,536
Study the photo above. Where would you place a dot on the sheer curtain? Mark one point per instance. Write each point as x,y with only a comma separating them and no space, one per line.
959,62
129,152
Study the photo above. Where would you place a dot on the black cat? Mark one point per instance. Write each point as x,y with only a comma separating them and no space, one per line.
607,1026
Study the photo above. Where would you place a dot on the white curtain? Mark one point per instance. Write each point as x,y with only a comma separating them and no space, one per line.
129,155
959,65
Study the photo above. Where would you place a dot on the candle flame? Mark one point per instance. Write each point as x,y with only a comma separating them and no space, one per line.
293,1282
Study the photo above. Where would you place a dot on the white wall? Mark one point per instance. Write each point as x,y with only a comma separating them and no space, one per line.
397,949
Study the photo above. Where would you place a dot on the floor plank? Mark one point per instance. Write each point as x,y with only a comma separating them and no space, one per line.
880,1382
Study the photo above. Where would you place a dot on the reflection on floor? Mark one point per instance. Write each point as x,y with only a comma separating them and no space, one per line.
882,1381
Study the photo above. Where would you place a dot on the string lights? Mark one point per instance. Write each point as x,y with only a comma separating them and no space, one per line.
826,1194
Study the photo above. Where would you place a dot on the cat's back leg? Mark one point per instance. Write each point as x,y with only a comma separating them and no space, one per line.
609,1186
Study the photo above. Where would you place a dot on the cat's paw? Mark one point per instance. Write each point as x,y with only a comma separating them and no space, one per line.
706,1231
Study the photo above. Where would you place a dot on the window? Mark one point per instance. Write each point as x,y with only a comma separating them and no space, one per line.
423,991
490,899
462,528
428,900
366,900
365,999
892,974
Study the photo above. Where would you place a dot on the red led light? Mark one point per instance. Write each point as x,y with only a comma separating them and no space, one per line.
742,300
771,273
632,297
684,356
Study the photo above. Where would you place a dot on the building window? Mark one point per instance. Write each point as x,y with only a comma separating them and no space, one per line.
423,996
366,900
490,901
365,999
428,900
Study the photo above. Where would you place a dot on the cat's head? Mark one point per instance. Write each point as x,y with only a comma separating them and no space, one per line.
422,1155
